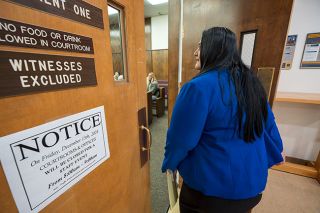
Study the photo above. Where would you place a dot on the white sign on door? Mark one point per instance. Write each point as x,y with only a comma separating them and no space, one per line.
43,162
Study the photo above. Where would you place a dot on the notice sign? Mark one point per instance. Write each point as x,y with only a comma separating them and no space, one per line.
288,53
311,53
43,162
25,72
18,34
76,10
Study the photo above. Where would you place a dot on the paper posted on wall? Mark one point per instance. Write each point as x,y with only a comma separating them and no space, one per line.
43,162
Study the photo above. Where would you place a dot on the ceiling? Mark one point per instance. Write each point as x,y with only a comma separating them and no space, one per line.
155,10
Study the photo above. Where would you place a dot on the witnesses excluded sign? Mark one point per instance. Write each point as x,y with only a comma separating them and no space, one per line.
18,34
25,72
43,162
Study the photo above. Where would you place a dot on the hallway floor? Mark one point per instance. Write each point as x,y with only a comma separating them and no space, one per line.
289,193
159,188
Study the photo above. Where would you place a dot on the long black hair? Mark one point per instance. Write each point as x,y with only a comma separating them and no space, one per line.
218,50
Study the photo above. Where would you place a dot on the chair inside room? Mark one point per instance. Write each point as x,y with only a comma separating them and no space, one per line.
159,103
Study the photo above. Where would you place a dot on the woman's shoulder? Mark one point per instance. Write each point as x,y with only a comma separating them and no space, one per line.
154,82
208,79
202,84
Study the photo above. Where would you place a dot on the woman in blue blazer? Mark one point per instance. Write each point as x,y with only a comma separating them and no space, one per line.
222,136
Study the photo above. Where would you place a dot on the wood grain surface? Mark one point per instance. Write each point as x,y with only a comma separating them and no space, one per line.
147,30
173,54
160,64
269,18
120,184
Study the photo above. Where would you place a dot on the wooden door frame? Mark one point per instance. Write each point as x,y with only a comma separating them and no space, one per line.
173,53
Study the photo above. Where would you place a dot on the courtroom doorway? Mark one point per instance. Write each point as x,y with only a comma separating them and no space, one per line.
156,40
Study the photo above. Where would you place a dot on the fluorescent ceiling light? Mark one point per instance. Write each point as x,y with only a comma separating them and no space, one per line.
155,2
112,11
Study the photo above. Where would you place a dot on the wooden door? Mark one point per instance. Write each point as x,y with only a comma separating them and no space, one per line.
120,184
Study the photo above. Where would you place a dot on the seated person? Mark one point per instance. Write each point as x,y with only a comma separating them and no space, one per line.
120,78
116,76
152,86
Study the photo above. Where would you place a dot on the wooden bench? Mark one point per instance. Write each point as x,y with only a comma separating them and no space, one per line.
164,84
159,103
149,107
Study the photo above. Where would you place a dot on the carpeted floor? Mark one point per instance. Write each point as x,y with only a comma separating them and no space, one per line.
159,190
285,193
288,193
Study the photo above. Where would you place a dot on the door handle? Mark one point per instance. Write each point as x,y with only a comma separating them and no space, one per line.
144,140
149,138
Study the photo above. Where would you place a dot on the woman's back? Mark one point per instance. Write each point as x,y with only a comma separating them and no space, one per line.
212,157
222,136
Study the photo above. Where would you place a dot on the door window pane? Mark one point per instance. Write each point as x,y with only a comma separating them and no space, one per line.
247,47
117,42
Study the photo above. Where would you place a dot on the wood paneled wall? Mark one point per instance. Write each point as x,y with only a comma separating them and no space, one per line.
117,61
160,64
157,60
147,33
149,62
148,42
270,18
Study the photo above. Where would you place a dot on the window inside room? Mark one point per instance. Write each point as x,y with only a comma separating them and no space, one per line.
247,44
118,43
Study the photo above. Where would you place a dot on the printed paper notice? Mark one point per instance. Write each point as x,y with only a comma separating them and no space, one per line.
288,53
311,53
43,162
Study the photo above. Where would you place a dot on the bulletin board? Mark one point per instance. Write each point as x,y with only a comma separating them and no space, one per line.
311,52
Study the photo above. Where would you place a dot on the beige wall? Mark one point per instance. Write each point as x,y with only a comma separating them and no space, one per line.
304,19
299,126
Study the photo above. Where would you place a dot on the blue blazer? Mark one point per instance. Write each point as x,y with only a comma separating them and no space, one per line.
203,143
